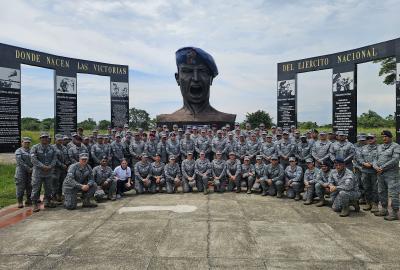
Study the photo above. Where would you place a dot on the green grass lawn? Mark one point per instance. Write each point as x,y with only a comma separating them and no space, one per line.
7,185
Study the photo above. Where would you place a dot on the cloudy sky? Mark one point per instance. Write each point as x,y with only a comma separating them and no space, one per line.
246,38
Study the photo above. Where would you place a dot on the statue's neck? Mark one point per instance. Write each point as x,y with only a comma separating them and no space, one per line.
196,108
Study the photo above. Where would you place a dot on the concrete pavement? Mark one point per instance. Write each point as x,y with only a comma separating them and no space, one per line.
226,231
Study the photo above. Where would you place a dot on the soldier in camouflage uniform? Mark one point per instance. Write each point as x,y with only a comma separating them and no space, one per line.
233,175
366,157
310,179
218,171
107,147
188,173
218,144
76,148
343,149
260,177
186,145
143,181
202,169
172,174
268,149
203,144
320,150
98,151
322,183
162,148
150,147
285,149
126,143
106,182
253,148
157,172
241,147
60,170
231,144
248,174
23,173
136,149
303,152
117,151
293,179
173,147
343,188
79,180
387,168
357,166
43,157
274,177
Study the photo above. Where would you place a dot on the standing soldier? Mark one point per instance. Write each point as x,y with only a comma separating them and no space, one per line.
98,150
162,148
231,144
107,146
343,188
253,148
343,149
202,169
218,170
186,145
303,152
322,183
293,177
126,143
79,179
173,148
76,148
23,173
44,158
105,179
143,179
157,172
387,168
203,144
241,147
172,175
188,173
150,147
117,151
285,149
218,144
260,175
267,149
233,167
136,149
357,165
274,178
331,136
248,174
366,157
310,179
60,170
320,150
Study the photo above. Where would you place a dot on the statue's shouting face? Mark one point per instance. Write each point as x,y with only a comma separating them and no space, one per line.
194,81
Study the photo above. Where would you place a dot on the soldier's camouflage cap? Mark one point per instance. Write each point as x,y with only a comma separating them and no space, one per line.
232,154
171,157
274,157
190,153
26,139
309,160
195,56
58,137
219,131
86,138
175,125
292,159
246,158
65,137
258,157
117,135
369,135
83,156
218,153
44,134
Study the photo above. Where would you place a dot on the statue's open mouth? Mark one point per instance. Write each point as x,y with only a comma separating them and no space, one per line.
196,90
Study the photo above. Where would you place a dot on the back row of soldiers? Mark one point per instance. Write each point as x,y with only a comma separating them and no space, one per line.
366,161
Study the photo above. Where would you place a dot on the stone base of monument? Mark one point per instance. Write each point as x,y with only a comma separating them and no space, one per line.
198,124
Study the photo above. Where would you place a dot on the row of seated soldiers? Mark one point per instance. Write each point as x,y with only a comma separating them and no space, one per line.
358,158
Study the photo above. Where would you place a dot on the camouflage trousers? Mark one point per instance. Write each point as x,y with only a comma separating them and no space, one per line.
293,190
320,190
71,196
172,185
108,188
310,192
23,186
370,187
37,180
233,184
389,186
272,189
343,198
58,179
220,184
141,186
249,181
199,182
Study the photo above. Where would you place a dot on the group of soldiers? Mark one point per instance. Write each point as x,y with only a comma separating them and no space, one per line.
276,162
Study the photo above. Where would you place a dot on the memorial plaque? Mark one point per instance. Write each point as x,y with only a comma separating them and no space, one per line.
66,105
287,111
119,103
345,102
10,109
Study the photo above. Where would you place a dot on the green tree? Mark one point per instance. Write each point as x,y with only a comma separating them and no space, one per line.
104,124
371,119
259,117
88,124
139,118
47,124
29,123
388,69
307,125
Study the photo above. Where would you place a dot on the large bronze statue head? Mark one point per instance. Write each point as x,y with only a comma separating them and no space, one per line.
196,71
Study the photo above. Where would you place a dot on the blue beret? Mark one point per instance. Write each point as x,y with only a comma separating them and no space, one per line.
193,55
339,160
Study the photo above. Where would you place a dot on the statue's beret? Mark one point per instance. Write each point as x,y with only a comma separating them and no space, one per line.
193,55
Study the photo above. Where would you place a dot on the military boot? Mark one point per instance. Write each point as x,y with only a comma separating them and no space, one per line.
381,213
249,191
279,194
394,215
35,207
88,204
320,203
49,204
308,202
345,211
297,197
58,199
205,192
367,207
356,206
20,203
238,190
362,201
374,208
28,202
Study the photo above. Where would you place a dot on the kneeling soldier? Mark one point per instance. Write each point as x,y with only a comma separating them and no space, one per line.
143,179
248,173
202,169
274,174
79,179
344,188
188,173
172,175
293,177
105,179
322,183
233,167
310,179
157,172
218,170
